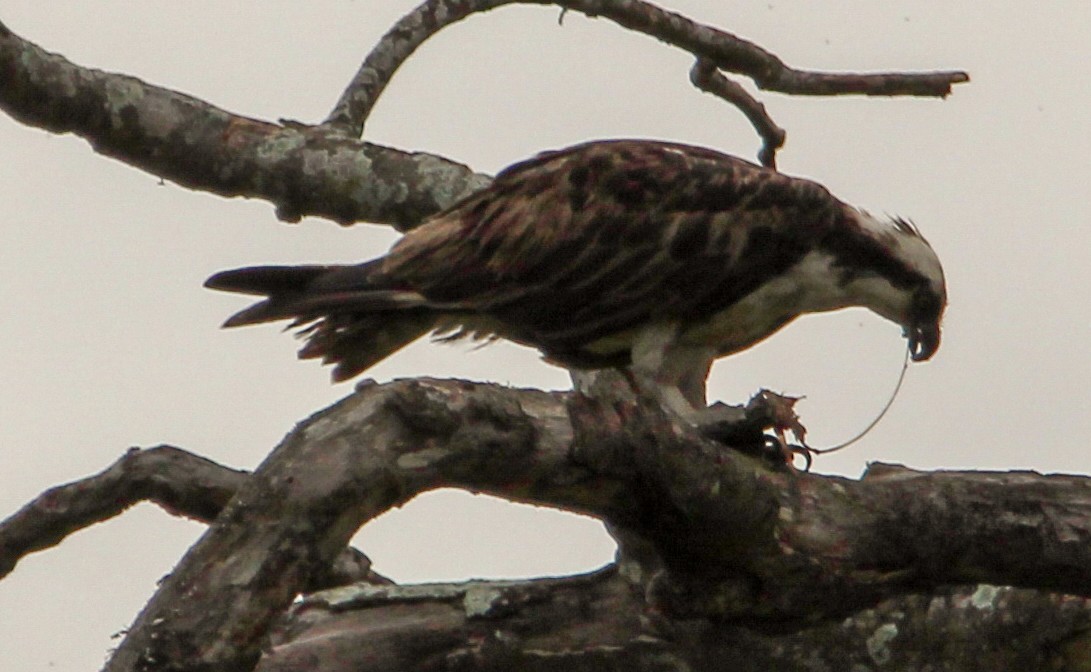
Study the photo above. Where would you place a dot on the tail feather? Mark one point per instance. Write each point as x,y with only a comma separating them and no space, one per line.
309,305
347,315
266,280
356,343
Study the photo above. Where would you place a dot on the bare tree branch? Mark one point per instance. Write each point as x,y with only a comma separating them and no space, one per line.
722,538
325,170
708,78
303,170
714,48
180,482
768,72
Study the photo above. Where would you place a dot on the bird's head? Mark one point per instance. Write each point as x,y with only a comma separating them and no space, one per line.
922,323
899,276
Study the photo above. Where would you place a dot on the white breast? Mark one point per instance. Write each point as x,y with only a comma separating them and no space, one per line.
809,286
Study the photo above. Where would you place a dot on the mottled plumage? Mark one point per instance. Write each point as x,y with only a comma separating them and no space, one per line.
658,255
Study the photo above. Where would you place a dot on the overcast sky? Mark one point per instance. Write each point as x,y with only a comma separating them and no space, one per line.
109,341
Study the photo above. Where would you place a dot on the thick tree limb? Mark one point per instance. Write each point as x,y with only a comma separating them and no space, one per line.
723,540
714,49
596,622
303,170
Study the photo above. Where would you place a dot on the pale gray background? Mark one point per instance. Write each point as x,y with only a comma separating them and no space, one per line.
109,341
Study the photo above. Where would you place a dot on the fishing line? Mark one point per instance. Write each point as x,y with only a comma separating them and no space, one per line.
871,426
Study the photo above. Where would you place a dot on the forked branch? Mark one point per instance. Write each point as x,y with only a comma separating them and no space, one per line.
178,481
326,170
715,50
182,483
707,77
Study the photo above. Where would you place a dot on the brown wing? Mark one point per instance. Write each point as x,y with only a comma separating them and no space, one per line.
575,245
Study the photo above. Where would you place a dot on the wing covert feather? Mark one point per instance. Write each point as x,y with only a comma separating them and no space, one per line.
581,243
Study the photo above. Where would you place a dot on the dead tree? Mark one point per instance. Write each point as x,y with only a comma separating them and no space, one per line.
725,562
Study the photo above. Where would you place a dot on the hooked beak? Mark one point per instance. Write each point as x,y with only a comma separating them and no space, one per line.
923,341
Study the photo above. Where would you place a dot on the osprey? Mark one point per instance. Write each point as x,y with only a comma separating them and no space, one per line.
656,256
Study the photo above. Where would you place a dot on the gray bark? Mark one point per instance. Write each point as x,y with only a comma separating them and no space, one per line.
713,544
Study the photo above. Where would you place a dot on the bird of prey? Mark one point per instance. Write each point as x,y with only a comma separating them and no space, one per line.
655,256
